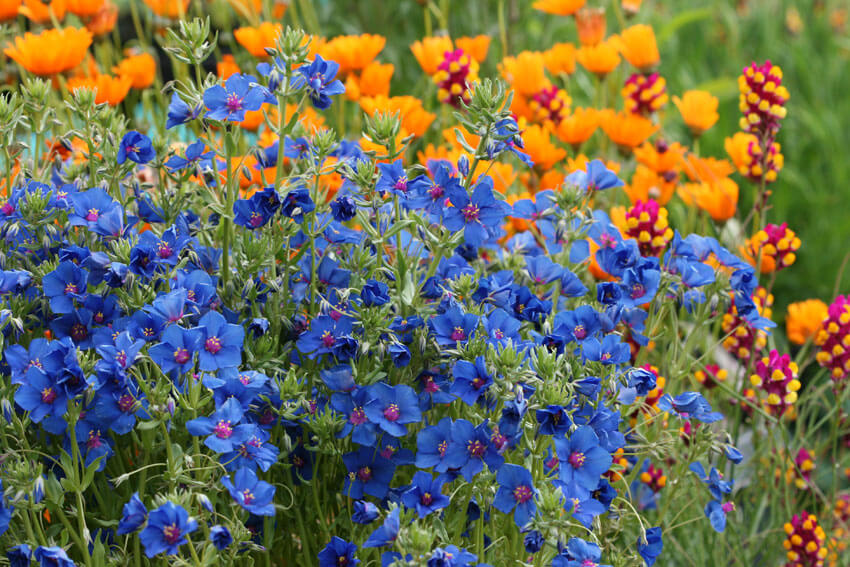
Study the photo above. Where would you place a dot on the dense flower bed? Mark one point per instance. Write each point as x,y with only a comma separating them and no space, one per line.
277,316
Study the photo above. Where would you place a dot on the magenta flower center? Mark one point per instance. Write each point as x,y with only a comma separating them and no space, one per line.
364,474
328,339
70,288
638,291
498,334
171,534
392,412
121,358
357,417
48,395
470,212
126,403
577,459
164,250
442,447
256,219
400,184
8,209
476,448
212,345
223,429
580,332
234,103
431,386
477,382
79,332
426,499
435,191
94,441
458,334
523,494
248,496
93,215
181,355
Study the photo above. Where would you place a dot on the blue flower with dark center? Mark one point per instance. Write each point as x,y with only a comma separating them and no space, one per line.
596,177
251,493
325,336
516,493
167,529
135,147
472,446
479,215
453,327
52,557
425,494
220,343
368,473
357,424
179,112
220,537
175,354
471,380
581,458
297,203
391,407
194,155
611,350
230,102
338,553
319,79
64,285
223,429
579,553
133,516
690,405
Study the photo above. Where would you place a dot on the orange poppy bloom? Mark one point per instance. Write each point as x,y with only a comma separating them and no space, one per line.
625,129
141,68
552,179
227,66
599,59
526,72
172,9
432,152
431,51
698,110
257,39
706,169
661,157
52,51
353,52
578,127
375,79
503,174
254,118
591,25
538,145
476,47
9,9
414,118
84,8
39,12
804,320
647,184
738,148
559,7
719,199
109,89
560,58
639,47
104,21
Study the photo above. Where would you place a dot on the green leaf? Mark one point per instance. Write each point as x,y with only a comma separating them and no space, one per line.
669,29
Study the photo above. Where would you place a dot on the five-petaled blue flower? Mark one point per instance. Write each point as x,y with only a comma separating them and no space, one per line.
319,79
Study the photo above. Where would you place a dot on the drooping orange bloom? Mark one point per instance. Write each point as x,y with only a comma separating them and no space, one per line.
698,110
353,52
591,25
9,9
52,51
172,9
719,198
577,127
111,90
625,129
639,47
414,118
40,13
559,7
525,72
538,145
661,157
431,51
738,148
599,59
84,8
104,21
141,68
647,184
257,39
477,47
709,170
560,58
804,320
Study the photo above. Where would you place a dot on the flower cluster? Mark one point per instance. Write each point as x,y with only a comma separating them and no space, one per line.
804,544
833,339
776,377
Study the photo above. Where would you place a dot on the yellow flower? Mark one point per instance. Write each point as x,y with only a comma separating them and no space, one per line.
638,46
559,7
698,110
51,51
804,320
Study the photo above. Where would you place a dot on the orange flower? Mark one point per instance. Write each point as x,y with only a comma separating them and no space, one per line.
254,118
804,320
525,72
431,51
141,68
738,148
538,145
39,12
706,169
51,51
353,52
698,110
172,9
580,163
639,47
9,9
661,157
560,58
631,7
503,174
719,199
552,179
84,8
432,152
476,47
414,118
576,128
591,25
625,129
647,184
109,89
375,79
559,7
227,66
104,21
257,39
600,59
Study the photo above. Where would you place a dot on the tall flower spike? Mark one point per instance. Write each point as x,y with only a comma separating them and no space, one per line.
454,73
834,339
777,246
645,94
647,223
805,542
762,99
743,339
776,376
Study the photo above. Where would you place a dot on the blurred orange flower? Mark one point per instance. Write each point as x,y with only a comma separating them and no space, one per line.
51,51
414,118
9,9
257,39
706,169
639,47
578,127
375,79
560,58
631,7
661,157
525,72
580,163
698,110
477,46
39,12
431,51
104,21
84,8
738,148
647,184
600,59
141,68
625,129
559,7
111,90
804,320
719,199
591,25
538,145
172,9
353,52
227,66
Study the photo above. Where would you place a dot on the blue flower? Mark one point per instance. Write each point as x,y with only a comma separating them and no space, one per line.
432,448
135,147
582,460
5,511
690,405
133,516
716,512
400,354
452,556
297,203
223,429
553,420
542,270
338,553
343,208
364,512
425,494
19,556
375,293
394,180
325,336
176,351
516,492
64,285
194,154
368,473
596,177
257,210
472,447
319,79
651,546
221,342
253,494
391,407
453,327
716,485
579,553
167,529
52,557
239,94
470,380
387,533
220,537
478,215
357,423
179,112
41,396
610,351
533,541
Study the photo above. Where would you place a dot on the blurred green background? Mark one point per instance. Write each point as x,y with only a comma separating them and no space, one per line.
703,44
